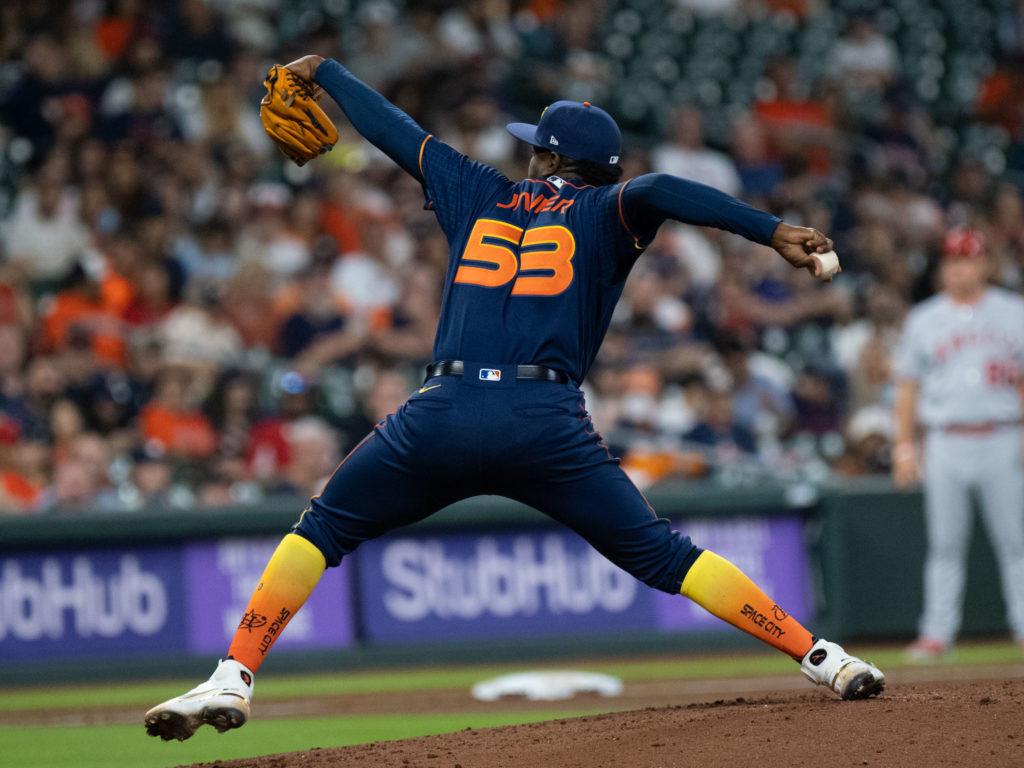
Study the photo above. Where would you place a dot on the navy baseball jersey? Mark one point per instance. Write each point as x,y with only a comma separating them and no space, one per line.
535,267
531,273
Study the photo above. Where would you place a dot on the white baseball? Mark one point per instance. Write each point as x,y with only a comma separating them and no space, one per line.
829,264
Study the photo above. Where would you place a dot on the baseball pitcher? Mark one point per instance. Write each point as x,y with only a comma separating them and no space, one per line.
535,270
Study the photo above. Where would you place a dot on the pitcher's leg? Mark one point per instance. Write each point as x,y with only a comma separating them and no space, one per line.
288,580
375,490
607,510
724,590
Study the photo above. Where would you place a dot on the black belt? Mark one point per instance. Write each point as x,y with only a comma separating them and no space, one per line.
532,372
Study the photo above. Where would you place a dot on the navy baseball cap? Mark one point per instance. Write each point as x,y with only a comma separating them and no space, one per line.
577,130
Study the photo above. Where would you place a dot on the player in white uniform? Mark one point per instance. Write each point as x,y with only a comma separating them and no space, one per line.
959,371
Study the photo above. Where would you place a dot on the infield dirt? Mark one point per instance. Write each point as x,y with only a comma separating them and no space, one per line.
932,717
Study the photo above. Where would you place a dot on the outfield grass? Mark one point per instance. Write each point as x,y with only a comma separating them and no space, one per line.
124,746
116,746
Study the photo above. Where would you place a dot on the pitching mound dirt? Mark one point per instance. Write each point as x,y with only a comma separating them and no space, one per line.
912,725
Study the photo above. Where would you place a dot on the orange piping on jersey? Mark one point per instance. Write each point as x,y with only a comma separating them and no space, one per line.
423,146
655,514
585,186
622,218
555,189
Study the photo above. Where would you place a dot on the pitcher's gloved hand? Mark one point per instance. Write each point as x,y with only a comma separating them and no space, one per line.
293,119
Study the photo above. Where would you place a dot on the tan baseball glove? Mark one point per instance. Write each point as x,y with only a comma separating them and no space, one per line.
293,119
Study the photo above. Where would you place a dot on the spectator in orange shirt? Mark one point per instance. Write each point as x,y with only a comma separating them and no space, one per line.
89,303
797,125
172,421
1000,99
116,30
23,468
339,210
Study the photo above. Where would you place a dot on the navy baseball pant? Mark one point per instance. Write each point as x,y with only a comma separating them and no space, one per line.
531,441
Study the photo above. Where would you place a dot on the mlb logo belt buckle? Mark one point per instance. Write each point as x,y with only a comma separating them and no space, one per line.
490,374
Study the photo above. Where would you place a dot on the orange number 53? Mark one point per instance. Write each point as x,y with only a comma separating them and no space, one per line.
538,259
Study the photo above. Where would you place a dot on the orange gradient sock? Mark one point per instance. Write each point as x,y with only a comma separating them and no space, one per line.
724,590
293,571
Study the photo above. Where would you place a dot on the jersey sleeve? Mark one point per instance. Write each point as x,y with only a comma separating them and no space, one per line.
378,120
642,204
454,185
908,361
648,200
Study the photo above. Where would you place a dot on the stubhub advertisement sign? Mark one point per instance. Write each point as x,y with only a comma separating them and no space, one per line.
76,604
146,600
464,586
554,583
190,598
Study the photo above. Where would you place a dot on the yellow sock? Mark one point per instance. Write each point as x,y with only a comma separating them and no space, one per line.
724,590
293,571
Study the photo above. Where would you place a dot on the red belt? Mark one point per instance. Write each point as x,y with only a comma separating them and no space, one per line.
978,428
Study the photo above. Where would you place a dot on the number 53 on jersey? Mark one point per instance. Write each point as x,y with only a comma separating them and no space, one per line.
538,259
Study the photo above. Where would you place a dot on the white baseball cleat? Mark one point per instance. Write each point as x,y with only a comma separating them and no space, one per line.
852,678
222,701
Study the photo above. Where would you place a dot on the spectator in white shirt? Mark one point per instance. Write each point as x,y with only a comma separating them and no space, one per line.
685,154
44,237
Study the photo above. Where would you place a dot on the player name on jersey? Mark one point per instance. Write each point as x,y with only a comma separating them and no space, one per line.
538,203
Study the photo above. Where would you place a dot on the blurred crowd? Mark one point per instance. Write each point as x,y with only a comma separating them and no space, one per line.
187,319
